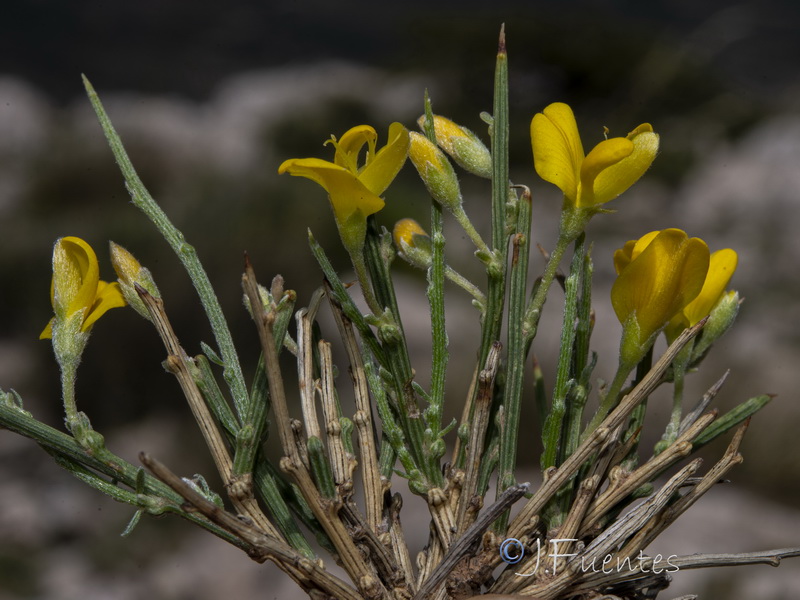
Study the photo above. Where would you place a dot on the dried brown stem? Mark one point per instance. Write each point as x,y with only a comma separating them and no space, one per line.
307,573
239,489
325,511
305,365
465,544
469,503
614,420
368,452
622,484
342,462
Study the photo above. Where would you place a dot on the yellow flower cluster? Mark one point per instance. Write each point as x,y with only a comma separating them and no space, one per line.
666,281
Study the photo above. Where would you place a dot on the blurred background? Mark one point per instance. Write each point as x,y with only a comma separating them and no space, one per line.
210,100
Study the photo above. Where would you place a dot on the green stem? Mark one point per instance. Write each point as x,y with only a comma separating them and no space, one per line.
610,399
69,452
463,220
378,254
679,366
517,348
466,285
186,253
363,280
439,356
68,375
534,311
554,433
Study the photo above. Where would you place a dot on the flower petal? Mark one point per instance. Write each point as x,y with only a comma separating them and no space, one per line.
720,270
381,169
108,296
346,192
557,148
47,332
75,276
617,178
349,146
661,281
632,249
603,156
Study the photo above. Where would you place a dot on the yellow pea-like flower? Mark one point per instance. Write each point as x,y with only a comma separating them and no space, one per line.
589,180
76,285
354,187
658,276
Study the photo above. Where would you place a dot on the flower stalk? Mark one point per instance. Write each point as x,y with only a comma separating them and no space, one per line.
597,486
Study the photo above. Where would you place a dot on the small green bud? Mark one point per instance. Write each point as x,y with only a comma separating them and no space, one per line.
435,170
463,146
438,448
719,321
413,243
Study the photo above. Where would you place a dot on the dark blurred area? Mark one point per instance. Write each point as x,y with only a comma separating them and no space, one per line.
210,100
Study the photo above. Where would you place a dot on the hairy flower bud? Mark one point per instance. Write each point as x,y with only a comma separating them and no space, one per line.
131,273
435,170
463,146
413,243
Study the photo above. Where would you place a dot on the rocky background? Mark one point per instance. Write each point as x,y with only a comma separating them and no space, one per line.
210,100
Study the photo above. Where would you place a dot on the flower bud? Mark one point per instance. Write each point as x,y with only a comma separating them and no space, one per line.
130,273
462,145
719,321
435,170
413,244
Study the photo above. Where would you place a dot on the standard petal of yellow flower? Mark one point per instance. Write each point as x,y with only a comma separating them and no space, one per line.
75,276
347,194
383,167
665,276
631,250
349,147
557,148
76,285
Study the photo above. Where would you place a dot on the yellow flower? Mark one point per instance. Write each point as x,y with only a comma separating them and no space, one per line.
658,276
76,286
354,189
609,169
721,267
